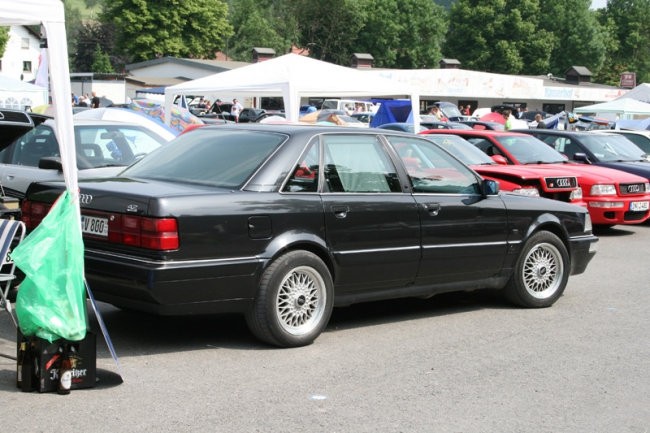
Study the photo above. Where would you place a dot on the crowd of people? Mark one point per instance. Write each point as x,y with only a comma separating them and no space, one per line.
86,100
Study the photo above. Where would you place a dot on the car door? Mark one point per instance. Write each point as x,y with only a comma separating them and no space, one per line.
372,225
463,232
19,161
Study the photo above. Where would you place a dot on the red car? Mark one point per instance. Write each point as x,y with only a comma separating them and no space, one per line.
558,184
612,196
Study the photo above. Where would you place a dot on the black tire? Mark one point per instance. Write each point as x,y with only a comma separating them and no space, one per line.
541,272
294,301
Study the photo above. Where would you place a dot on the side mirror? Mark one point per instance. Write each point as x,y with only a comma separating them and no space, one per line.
489,187
581,157
499,159
50,163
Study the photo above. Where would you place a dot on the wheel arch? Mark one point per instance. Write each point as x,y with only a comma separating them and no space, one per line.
293,241
550,223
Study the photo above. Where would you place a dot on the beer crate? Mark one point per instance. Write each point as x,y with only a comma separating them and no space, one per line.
48,360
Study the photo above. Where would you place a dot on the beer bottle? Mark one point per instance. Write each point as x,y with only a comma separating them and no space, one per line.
20,360
27,367
65,373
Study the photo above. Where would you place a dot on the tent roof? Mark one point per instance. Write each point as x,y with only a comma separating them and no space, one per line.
309,76
617,106
640,93
7,83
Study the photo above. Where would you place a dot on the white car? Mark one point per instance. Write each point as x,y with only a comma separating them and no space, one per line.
104,148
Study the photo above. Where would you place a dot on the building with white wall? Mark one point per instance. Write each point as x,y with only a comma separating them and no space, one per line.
20,60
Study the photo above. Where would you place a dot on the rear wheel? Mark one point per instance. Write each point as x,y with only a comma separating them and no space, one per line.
294,301
541,272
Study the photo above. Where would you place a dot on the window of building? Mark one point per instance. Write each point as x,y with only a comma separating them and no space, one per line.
24,43
27,66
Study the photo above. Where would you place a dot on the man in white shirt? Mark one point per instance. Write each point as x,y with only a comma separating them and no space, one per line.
235,110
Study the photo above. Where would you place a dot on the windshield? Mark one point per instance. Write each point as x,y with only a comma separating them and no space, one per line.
213,157
529,150
611,148
461,149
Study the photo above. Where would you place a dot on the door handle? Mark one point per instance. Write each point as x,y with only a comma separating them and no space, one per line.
340,211
432,208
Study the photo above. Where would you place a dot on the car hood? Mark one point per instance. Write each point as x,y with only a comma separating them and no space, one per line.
640,168
598,173
525,171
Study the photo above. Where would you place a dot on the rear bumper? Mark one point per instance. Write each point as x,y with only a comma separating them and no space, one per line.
173,287
583,249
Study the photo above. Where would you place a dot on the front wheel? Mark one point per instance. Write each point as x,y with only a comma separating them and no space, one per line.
541,272
294,301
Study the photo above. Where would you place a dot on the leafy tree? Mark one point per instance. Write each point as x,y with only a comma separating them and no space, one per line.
147,29
90,36
255,25
628,21
101,61
404,34
578,38
4,38
329,29
499,36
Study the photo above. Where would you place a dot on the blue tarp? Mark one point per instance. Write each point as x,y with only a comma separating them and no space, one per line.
633,124
391,111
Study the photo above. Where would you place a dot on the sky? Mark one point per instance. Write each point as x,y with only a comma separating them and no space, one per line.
597,4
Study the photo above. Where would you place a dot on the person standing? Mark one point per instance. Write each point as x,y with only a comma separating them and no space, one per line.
540,121
508,122
235,110
94,101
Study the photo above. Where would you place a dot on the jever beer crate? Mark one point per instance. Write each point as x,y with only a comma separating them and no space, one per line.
39,362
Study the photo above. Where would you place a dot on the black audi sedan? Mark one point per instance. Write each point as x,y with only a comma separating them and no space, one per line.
284,222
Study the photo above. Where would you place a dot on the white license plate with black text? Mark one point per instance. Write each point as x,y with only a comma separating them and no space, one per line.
94,225
639,206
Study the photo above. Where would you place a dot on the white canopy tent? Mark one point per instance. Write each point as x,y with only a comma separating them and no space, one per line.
625,108
640,93
18,94
50,15
293,76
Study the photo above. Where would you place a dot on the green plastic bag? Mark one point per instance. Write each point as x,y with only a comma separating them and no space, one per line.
51,301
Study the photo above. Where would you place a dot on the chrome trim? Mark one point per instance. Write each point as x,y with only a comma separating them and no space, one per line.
173,264
378,250
470,244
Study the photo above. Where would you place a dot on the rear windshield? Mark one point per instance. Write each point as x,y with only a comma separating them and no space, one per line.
206,156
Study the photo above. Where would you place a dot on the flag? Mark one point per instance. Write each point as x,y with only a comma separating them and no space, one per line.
51,301
42,77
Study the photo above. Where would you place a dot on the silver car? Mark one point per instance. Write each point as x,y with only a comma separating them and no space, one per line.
103,147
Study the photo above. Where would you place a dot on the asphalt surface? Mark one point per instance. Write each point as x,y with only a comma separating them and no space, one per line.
465,362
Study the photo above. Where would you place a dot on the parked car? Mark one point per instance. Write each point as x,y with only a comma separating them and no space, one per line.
484,124
401,126
14,123
612,196
534,181
284,222
640,138
429,122
598,148
104,147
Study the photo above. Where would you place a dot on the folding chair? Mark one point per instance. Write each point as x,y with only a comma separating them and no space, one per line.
12,233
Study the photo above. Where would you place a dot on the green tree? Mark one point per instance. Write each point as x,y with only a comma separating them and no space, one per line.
90,36
147,30
499,36
4,38
330,29
256,24
578,38
101,61
405,34
628,21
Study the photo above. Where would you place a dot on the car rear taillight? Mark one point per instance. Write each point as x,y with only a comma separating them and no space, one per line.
159,234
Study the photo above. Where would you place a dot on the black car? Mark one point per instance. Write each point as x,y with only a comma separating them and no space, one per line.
284,222
597,148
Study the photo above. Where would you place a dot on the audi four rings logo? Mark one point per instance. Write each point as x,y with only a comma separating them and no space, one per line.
564,182
85,198
633,188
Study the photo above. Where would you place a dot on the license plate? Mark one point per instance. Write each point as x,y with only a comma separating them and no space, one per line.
639,206
94,225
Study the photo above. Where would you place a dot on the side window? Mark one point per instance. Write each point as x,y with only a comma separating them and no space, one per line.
34,145
305,175
358,163
432,170
488,148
